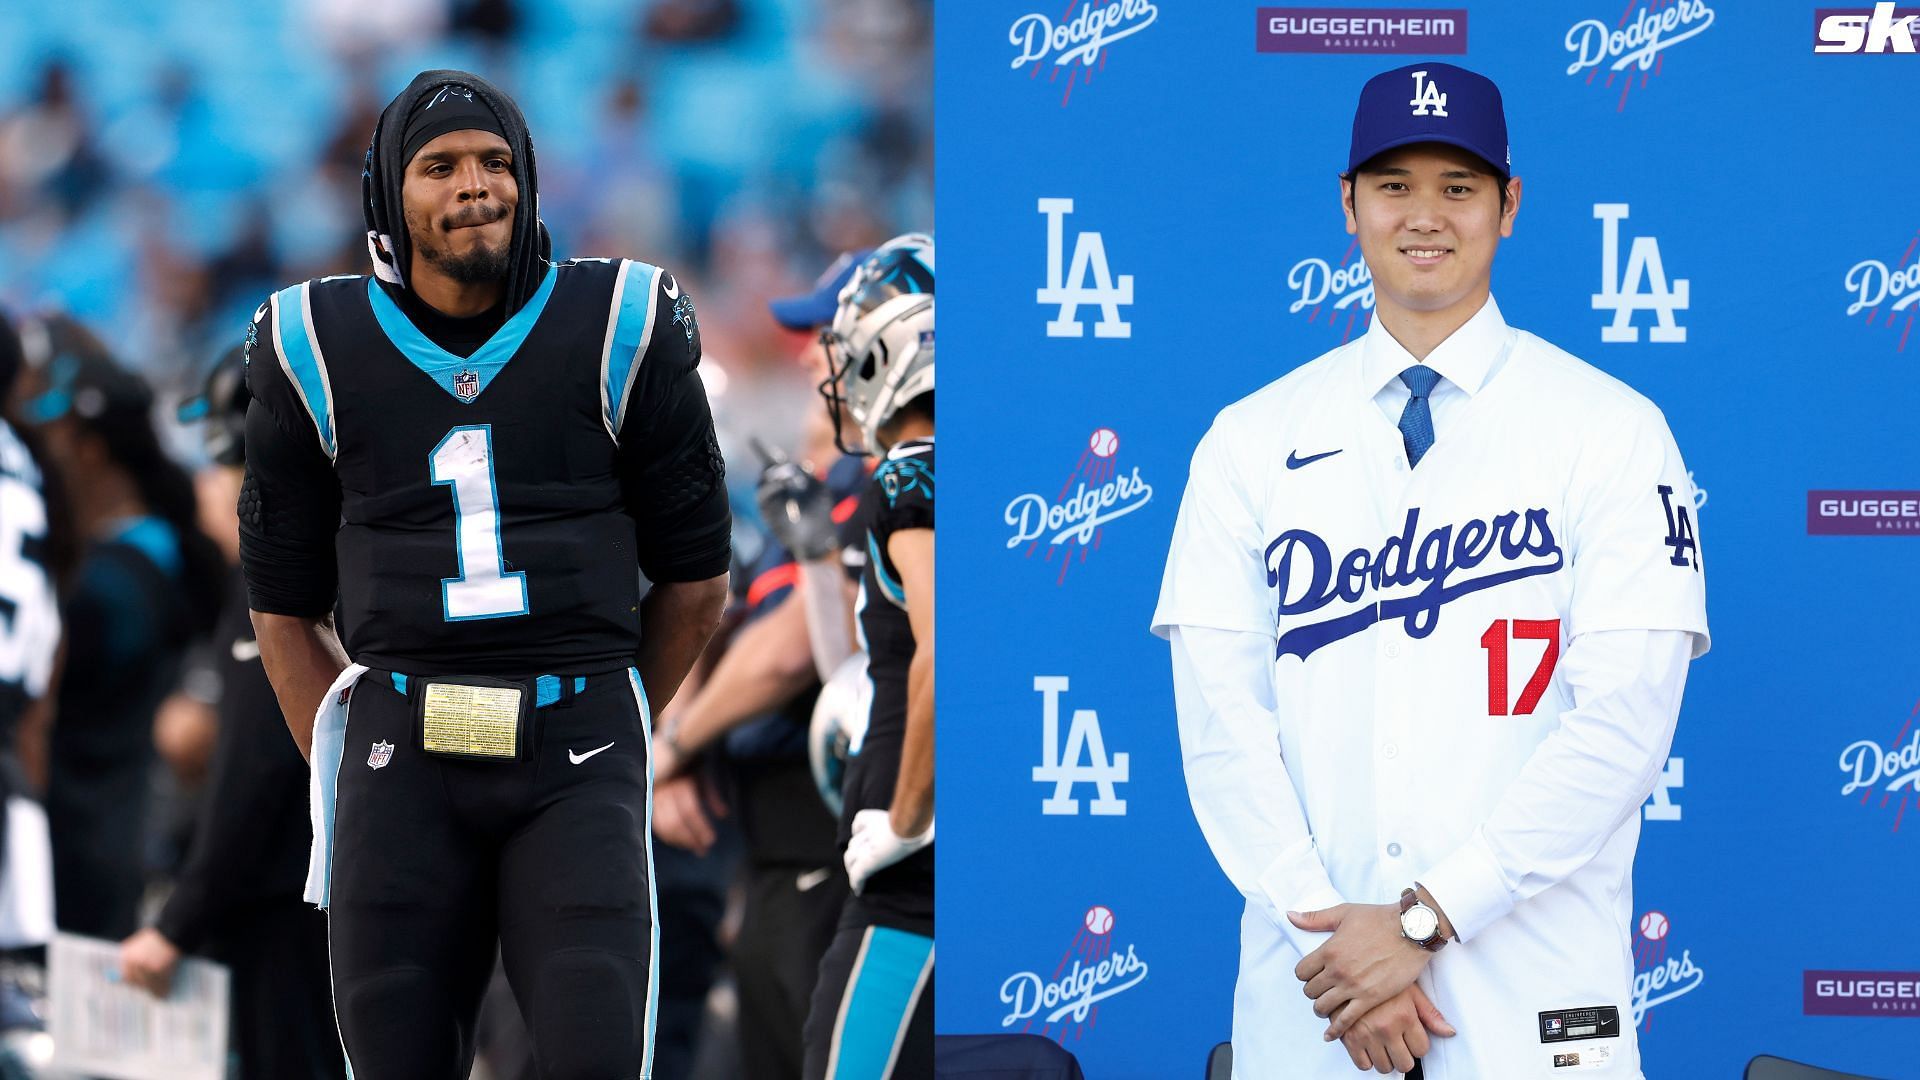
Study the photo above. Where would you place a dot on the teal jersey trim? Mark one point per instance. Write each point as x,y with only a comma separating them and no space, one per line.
300,359
155,539
895,591
442,366
627,339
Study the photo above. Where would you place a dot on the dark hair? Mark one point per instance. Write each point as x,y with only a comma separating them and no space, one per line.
126,428
60,552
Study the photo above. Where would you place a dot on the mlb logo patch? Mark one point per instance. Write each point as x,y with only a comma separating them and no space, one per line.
1554,1025
926,339
466,385
381,753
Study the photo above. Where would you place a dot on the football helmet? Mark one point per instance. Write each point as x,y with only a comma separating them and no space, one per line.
880,343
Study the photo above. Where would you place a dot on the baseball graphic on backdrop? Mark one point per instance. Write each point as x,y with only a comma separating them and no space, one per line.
1104,443
1653,926
1099,917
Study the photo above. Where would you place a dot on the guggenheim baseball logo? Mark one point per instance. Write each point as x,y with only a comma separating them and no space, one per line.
1863,513
1070,524
1886,30
1874,286
1891,771
1427,31
1078,43
1861,993
1090,970
1636,43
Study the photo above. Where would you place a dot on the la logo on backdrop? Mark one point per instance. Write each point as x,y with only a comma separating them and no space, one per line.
1641,286
1092,969
1077,41
1635,43
1874,285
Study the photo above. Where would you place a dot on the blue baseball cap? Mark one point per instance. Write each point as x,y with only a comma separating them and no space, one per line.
1431,102
812,310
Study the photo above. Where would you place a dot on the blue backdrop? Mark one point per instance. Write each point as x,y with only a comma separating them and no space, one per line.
1777,183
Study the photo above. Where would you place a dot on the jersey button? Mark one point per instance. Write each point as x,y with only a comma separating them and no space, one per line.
1393,850
1393,650
1390,751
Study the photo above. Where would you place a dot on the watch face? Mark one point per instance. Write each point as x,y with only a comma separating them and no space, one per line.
1419,922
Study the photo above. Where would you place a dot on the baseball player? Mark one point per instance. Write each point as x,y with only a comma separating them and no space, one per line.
1431,600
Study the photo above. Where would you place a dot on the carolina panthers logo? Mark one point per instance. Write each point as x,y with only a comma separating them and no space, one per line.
683,316
897,478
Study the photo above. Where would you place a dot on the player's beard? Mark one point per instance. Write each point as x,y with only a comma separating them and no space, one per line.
478,265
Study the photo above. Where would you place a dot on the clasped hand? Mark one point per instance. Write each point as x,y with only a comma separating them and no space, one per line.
1362,980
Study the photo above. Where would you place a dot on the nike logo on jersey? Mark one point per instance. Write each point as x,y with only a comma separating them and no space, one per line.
1307,577
669,286
1295,461
807,881
246,651
578,758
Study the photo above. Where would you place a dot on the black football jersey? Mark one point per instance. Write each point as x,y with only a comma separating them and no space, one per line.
484,500
899,496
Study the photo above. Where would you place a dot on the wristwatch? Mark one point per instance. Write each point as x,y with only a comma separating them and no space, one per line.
1419,923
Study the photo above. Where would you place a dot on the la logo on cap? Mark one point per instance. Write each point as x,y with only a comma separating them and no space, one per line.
1427,98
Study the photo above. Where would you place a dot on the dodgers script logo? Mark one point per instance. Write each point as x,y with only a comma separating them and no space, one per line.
1874,285
1623,294
1085,743
1891,771
1090,971
1071,290
1348,286
1635,43
1084,37
1307,577
1657,977
1070,524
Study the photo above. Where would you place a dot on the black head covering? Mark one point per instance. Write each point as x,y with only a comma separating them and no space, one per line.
387,157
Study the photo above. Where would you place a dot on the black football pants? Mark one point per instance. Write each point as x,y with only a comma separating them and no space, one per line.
435,857
872,1012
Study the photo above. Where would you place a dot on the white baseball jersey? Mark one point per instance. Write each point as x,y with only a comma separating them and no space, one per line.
1464,674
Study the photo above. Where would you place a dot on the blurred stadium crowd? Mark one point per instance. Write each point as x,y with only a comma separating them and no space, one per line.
165,166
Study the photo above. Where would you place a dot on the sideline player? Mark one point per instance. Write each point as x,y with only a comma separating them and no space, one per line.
872,1012
1432,597
480,449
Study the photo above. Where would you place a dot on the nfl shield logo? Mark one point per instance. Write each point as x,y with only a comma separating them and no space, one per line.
381,754
466,385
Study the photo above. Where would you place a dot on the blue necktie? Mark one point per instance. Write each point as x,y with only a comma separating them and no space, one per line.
1416,422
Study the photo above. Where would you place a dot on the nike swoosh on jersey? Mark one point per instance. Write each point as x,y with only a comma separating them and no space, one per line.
807,881
1295,461
578,758
670,287
246,650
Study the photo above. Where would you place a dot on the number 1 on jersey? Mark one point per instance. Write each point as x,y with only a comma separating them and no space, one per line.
484,589
1495,642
